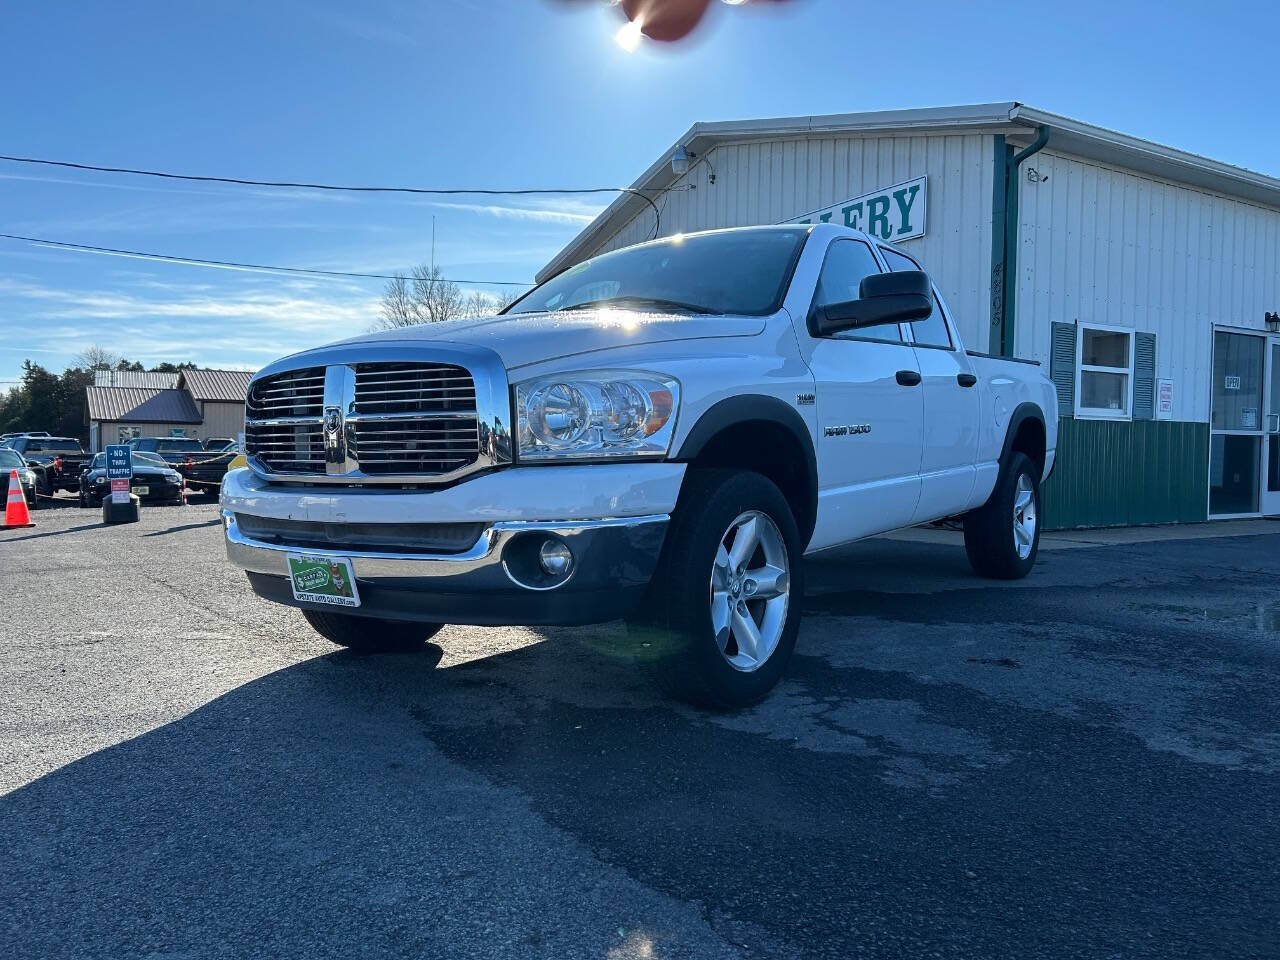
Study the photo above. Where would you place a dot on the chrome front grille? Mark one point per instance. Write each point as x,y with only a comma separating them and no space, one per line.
283,421
380,420
413,418
401,387
298,393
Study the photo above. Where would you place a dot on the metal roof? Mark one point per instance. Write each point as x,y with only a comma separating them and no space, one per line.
1016,121
134,378
141,405
224,385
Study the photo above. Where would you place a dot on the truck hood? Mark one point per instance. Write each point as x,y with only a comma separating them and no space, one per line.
525,338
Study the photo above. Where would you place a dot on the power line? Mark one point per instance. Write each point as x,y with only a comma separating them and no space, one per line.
428,191
244,266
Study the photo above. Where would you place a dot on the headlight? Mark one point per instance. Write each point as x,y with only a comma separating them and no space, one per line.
604,413
173,475
28,476
100,480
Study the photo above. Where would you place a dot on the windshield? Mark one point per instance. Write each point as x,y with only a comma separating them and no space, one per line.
53,446
180,446
729,271
9,459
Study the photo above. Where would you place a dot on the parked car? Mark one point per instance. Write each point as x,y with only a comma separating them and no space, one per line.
154,481
7,438
203,469
659,434
11,460
218,443
55,460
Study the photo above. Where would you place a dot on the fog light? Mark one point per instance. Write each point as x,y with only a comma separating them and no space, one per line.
555,558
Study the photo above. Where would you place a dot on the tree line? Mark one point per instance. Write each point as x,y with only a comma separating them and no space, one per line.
44,400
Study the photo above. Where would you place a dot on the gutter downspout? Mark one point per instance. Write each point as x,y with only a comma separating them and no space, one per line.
1004,238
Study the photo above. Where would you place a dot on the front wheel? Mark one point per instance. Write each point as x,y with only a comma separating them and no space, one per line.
1002,537
724,608
370,634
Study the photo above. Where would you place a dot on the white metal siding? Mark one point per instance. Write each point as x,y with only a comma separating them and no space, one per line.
222,419
1103,244
774,181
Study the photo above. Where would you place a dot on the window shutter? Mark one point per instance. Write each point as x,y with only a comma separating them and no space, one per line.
1144,376
1062,367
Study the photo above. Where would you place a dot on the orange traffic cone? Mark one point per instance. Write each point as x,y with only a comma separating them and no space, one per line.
16,513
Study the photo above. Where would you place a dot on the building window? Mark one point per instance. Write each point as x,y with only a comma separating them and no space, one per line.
1104,372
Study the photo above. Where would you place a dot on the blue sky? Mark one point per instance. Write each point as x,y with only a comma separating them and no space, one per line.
504,93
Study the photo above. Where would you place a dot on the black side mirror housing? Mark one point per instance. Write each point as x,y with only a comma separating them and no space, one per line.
882,298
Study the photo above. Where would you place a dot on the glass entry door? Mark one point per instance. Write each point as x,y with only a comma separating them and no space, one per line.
1237,424
1271,457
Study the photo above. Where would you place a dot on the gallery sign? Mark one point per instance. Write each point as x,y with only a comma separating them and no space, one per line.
895,213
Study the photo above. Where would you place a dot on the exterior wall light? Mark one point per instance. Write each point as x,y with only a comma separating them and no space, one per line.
1273,322
680,162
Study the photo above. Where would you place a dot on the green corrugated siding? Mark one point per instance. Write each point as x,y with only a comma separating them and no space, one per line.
1116,474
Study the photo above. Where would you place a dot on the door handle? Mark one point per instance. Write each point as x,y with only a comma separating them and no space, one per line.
966,379
907,378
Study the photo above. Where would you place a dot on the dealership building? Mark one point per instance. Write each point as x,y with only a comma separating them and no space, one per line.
1146,280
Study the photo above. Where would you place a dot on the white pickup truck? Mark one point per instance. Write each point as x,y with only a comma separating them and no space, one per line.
660,434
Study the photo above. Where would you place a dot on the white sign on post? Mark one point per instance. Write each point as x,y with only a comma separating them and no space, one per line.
1164,399
893,214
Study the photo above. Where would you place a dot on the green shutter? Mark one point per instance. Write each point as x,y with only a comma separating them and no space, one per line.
1144,376
1062,367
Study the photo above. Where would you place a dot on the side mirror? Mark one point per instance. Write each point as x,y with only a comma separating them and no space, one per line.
882,298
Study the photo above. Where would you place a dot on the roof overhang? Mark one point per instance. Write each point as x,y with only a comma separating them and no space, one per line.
1017,122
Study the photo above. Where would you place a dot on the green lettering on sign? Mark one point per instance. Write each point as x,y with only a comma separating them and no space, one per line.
877,218
894,213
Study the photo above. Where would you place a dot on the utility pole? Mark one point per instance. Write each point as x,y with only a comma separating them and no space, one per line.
433,246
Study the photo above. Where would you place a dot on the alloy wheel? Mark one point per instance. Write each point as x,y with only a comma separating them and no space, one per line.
1024,516
750,590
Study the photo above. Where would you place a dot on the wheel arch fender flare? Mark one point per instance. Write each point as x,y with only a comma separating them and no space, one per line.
732,411
1023,412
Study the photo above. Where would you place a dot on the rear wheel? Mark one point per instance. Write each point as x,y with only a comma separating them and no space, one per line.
724,608
370,634
1002,537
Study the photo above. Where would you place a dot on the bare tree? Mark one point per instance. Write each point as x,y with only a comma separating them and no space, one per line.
94,357
427,297
424,297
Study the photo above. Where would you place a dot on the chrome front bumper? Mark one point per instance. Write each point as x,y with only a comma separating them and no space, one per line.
614,559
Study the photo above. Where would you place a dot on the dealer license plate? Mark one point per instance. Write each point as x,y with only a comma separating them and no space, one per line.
142,491
323,579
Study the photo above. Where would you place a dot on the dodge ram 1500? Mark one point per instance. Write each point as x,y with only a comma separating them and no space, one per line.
660,434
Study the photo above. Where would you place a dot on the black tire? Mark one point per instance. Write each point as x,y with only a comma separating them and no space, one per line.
370,634
676,617
989,537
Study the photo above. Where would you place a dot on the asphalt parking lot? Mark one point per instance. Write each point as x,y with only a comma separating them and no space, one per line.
1083,764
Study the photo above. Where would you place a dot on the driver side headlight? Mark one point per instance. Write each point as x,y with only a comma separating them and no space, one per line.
596,414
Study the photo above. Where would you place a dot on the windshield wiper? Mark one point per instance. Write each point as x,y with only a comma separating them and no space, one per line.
656,302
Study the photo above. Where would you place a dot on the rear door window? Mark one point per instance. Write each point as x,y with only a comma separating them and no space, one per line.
931,331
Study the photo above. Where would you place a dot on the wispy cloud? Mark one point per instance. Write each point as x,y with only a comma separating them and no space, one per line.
519,213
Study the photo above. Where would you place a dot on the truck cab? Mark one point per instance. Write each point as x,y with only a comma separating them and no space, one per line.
660,433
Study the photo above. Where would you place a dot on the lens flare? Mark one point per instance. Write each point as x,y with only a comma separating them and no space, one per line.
629,36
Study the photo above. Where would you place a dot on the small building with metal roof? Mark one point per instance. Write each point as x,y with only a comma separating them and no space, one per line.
195,403
1144,278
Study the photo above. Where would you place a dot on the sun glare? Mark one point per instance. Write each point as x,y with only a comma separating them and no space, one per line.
629,36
